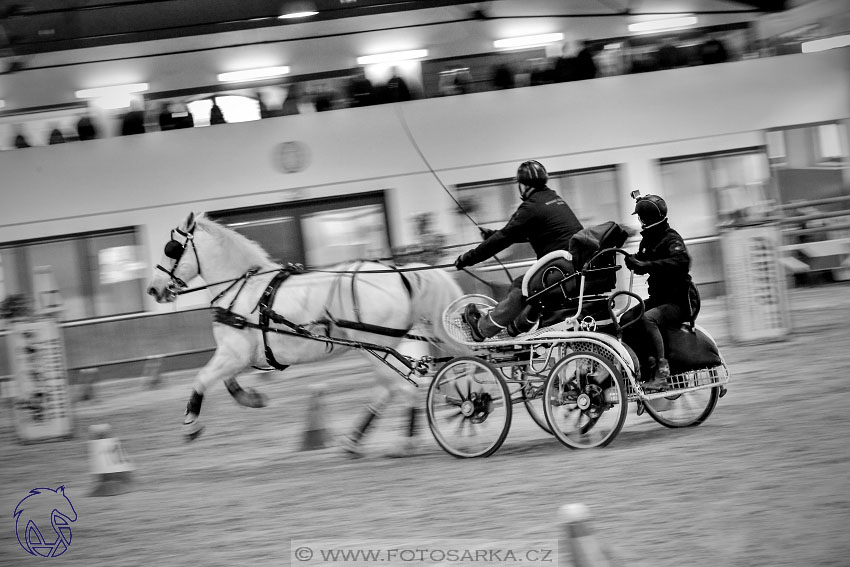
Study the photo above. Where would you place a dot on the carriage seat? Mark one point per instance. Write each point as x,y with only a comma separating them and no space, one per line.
549,269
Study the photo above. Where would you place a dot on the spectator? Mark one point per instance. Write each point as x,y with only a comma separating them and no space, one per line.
566,66
56,136
20,139
668,56
86,129
584,63
446,85
264,110
540,72
323,99
182,117
360,89
503,77
290,103
166,120
713,51
397,89
216,115
133,122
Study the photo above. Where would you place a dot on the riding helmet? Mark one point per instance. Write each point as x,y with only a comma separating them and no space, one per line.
532,173
650,209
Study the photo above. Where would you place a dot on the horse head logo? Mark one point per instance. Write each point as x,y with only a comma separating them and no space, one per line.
38,505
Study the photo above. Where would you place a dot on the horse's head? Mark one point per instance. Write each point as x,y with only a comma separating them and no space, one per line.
178,264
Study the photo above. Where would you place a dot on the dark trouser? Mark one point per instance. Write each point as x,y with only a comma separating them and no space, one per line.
505,312
656,318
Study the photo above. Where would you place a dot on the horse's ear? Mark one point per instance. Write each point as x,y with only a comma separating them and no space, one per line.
190,222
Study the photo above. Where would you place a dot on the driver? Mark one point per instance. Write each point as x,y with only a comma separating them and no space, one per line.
544,220
661,254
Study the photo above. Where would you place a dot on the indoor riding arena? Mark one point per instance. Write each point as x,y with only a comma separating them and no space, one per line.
170,394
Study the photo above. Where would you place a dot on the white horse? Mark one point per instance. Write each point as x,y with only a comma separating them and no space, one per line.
320,313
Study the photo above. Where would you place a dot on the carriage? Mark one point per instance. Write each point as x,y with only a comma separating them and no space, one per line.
575,377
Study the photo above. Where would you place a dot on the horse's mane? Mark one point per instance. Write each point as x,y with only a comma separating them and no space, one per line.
251,250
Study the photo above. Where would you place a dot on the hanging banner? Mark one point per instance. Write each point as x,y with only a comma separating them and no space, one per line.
42,408
757,301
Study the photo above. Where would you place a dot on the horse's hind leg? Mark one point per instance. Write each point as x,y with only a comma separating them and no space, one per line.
223,365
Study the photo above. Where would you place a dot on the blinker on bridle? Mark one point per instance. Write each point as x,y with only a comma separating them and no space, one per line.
175,250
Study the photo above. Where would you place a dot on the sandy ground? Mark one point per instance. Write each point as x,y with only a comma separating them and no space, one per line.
765,481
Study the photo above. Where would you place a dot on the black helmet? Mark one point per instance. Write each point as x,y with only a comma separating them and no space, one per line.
650,209
532,173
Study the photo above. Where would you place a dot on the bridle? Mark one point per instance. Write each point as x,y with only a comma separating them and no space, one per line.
175,251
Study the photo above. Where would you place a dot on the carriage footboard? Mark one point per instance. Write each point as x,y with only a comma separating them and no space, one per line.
689,381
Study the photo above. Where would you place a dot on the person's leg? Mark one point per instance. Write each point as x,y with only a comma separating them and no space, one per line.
504,312
666,314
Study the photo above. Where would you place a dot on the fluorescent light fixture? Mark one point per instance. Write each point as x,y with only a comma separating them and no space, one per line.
253,74
392,57
663,24
528,40
297,9
114,91
826,43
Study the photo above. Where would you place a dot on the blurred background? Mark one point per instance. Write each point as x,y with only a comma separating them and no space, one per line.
354,130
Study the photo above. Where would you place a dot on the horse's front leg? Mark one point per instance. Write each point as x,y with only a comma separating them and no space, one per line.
225,364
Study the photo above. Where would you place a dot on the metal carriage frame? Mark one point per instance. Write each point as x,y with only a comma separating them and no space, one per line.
575,382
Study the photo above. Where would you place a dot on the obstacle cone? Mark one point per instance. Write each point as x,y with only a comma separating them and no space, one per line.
577,537
109,465
315,434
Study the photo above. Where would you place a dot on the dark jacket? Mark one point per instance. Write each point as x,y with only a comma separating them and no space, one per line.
669,263
544,220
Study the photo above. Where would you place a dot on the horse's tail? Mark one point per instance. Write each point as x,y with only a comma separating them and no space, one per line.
433,291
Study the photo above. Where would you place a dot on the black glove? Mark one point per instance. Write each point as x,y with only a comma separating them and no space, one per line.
486,232
637,266
464,260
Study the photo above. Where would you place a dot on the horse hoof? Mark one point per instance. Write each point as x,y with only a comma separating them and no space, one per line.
192,429
351,448
253,399
402,451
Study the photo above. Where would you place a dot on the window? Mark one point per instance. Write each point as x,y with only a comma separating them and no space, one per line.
234,108
317,232
707,190
95,275
829,143
591,193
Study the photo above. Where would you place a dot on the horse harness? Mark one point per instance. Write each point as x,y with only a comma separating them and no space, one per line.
268,315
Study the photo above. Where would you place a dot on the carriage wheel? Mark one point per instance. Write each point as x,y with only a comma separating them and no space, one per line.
687,409
585,400
469,408
532,397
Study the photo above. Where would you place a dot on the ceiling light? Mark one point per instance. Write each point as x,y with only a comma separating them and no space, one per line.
826,43
253,74
663,24
297,9
392,57
117,90
528,41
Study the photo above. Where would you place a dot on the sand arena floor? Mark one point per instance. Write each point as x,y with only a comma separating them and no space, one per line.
764,482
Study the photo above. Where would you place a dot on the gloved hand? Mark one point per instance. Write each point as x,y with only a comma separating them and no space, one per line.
464,260
486,232
637,266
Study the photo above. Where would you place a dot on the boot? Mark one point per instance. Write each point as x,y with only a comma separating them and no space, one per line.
471,315
659,380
